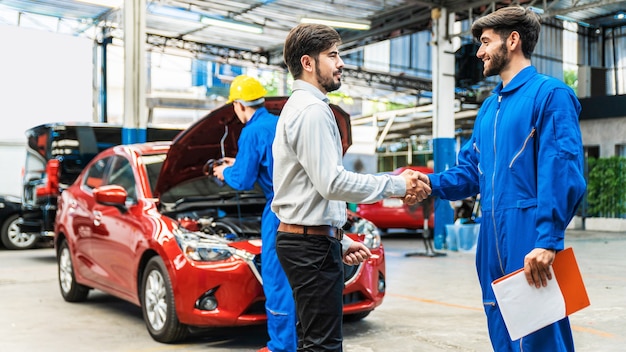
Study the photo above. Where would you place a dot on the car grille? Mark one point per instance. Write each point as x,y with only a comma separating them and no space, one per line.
353,297
349,274
349,271
256,308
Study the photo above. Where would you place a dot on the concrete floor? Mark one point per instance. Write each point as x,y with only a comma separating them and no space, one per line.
432,304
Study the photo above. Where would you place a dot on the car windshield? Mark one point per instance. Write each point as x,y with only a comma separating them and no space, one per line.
199,188
153,164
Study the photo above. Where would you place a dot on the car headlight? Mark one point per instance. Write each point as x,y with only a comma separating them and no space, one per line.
369,230
203,253
200,247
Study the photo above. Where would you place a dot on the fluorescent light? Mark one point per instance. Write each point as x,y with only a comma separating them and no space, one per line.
104,3
173,12
358,25
230,24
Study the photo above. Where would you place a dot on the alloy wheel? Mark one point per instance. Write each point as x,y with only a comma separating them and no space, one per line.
156,300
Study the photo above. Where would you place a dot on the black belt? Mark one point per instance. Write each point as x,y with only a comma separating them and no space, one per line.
320,230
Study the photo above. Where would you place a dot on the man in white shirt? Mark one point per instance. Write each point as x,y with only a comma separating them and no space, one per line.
311,188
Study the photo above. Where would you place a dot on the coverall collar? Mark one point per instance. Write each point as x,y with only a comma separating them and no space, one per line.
260,111
519,80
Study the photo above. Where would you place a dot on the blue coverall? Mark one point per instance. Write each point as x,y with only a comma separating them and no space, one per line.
254,163
525,158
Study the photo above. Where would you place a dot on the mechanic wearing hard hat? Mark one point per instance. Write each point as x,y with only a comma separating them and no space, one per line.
253,164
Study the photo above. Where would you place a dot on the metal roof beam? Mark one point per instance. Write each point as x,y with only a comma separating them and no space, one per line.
196,48
391,80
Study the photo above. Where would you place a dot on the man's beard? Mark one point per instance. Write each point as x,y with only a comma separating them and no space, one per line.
498,61
328,84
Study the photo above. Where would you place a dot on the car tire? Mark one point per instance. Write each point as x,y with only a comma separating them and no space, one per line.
157,304
13,238
350,318
71,290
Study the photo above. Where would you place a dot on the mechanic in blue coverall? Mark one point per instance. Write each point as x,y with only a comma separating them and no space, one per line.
254,163
525,158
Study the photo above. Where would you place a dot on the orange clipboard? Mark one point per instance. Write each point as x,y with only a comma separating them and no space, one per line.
526,309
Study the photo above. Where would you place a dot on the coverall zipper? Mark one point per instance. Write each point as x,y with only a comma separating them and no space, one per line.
532,133
493,187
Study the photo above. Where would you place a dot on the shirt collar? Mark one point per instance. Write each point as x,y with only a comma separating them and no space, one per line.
308,87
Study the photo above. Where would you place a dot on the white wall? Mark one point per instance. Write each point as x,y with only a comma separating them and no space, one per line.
12,159
44,77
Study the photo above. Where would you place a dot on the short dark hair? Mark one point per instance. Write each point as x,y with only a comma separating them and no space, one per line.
510,19
307,39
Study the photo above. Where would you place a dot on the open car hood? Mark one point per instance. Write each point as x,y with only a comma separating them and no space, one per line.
214,136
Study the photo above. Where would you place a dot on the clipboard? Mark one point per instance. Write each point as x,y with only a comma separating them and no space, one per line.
526,309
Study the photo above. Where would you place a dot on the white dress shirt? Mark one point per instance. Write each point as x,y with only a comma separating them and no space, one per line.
311,186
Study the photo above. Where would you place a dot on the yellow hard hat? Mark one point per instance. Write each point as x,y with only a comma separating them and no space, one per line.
247,90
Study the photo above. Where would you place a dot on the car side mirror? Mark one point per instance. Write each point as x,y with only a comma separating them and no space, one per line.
113,195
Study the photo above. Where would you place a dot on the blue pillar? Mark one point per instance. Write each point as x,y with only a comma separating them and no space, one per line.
444,143
444,153
134,135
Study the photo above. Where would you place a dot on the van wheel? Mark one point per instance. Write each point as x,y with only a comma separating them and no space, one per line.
157,304
13,237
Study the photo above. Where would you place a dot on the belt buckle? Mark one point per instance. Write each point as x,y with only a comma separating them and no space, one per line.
339,233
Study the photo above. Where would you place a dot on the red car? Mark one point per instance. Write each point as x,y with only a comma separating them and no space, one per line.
392,213
146,223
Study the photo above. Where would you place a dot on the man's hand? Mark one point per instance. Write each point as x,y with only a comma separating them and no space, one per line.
537,266
227,160
417,188
218,168
218,171
356,253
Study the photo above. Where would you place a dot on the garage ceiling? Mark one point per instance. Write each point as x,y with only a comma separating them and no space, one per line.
181,19
180,23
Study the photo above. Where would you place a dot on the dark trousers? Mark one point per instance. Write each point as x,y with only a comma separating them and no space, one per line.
314,268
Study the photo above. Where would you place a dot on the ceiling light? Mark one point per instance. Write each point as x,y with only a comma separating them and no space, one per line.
620,15
337,23
230,24
173,12
104,3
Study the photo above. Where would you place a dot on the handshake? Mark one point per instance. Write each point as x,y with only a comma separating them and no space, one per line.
417,186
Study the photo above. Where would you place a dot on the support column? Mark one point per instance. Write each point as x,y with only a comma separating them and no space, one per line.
444,143
134,129
103,91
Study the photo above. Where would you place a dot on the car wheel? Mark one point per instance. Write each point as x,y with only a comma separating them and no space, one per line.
13,237
157,304
71,290
355,317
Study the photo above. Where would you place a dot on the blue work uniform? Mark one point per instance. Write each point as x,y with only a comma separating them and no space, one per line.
525,158
254,163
